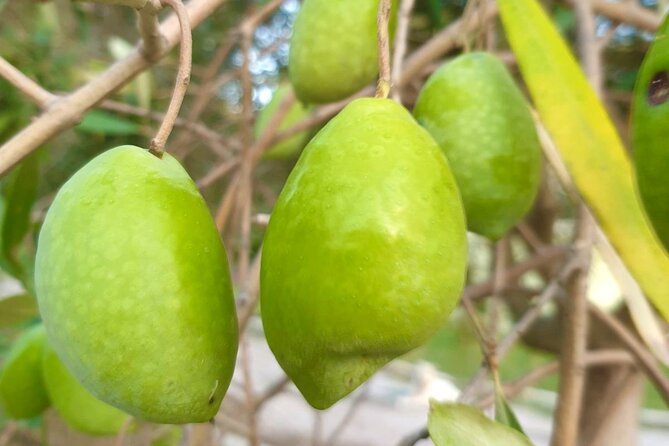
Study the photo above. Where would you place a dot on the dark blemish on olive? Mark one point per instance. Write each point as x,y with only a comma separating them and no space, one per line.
211,399
658,89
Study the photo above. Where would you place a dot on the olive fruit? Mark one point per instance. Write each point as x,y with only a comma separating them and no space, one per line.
133,286
365,253
79,409
333,49
650,132
296,112
22,392
474,110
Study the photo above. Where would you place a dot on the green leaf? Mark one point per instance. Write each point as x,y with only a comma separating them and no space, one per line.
103,123
588,143
19,194
17,309
503,412
452,424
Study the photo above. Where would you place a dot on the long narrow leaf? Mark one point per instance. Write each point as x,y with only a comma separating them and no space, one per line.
588,143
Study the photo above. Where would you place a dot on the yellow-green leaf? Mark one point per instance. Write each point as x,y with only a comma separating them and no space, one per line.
452,424
588,143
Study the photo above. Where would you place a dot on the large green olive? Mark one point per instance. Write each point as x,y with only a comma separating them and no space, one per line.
365,254
134,289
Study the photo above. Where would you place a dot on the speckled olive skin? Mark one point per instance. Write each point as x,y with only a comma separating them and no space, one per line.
22,392
79,409
479,117
364,257
333,49
297,112
133,286
650,133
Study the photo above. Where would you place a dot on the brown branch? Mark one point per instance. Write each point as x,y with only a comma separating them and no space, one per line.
245,358
645,359
27,86
216,173
137,4
249,298
66,112
272,391
221,146
120,438
544,257
443,42
594,358
511,389
225,207
7,433
549,293
574,341
149,28
383,41
626,12
210,83
400,45
157,145
245,185
575,310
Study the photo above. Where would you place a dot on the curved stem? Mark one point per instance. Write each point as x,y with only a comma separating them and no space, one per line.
157,146
382,19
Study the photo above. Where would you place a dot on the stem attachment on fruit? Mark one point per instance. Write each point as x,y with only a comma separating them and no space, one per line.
157,146
382,19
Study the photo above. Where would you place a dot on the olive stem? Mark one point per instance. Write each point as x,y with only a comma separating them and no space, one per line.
157,146
382,19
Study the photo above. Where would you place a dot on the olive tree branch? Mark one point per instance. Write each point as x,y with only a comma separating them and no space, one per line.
593,358
152,40
383,40
66,112
27,86
575,332
137,4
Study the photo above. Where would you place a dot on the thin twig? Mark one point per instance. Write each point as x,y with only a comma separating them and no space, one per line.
249,300
222,147
442,42
272,391
137,4
66,112
120,438
157,146
226,204
331,440
594,358
511,389
27,86
546,256
248,391
216,173
382,19
574,341
549,293
205,92
400,46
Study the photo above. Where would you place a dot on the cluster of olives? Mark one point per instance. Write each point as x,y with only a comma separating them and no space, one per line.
363,259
